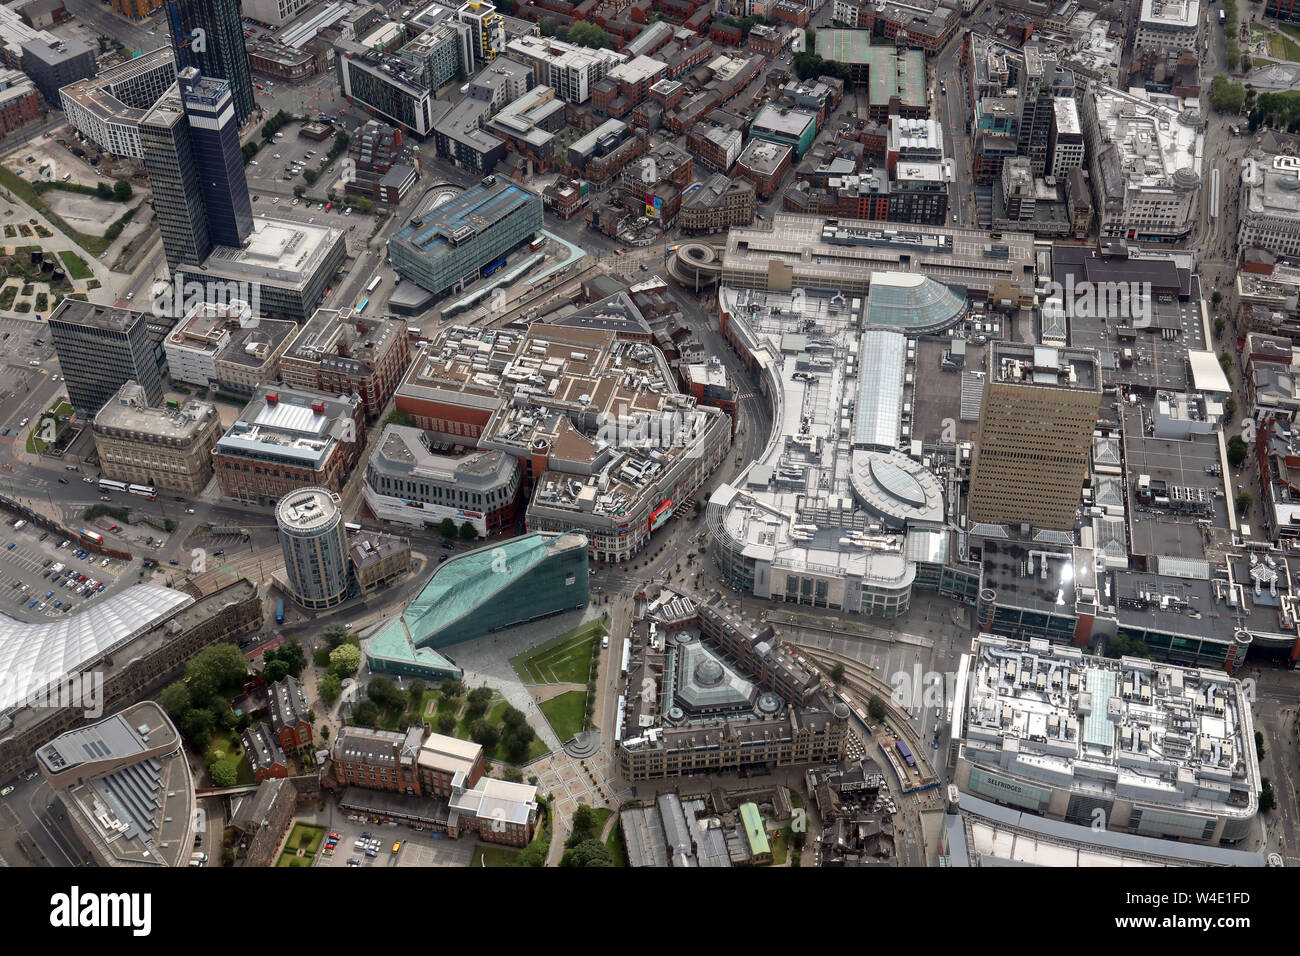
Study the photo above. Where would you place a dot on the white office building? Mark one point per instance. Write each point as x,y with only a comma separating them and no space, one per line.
1168,25
1270,204
1145,154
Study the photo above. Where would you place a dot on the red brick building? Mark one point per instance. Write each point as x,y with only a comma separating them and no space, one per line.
264,754
20,101
725,33
765,164
286,439
287,709
337,356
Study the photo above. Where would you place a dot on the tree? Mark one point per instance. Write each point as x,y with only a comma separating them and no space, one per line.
514,718
1225,95
446,723
399,417
275,671
122,190
366,713
587,853
1225,361
582,33
416,691
385,693
547,26
224,773
330,687
345,659
876,707
1230,406
1218,296
311,175
468,532
300,191
514,775
1121,645
447,528
1244,501
1237,449
584,825
198,720
837,674
223,664
452,688
1267,798
477,701
175,699
484,734
1259,745
334,634
324,731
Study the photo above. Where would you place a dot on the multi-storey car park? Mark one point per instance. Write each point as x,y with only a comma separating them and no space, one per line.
1128,744
609,446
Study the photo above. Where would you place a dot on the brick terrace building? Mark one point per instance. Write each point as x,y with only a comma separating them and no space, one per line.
342,353
404,762
20,101
288,713
264,754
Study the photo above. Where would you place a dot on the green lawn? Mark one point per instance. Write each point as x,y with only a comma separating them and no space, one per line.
305,836
565,659
616,847
493,856
565,713
780,847
77,267
290,859
226,744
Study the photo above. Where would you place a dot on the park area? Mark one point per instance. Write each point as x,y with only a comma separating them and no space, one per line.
565,713
43,435
452,709
566,659
301,847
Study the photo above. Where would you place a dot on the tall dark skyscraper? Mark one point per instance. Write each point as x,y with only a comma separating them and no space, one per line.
196,170
174,181
218,50
214,133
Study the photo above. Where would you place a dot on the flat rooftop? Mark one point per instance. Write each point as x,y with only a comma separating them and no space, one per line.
278,251
1127,728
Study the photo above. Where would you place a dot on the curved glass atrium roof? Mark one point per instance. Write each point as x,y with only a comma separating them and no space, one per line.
32,656
910,302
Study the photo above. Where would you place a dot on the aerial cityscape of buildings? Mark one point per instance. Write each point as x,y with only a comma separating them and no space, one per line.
650,433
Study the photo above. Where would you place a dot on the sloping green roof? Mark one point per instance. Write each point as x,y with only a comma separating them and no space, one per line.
755,832
468,581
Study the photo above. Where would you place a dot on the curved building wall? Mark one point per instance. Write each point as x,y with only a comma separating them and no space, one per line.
314,544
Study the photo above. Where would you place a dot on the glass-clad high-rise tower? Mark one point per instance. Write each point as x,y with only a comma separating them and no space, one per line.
209,36
214,134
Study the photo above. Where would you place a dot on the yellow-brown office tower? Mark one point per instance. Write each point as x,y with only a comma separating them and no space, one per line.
1035,431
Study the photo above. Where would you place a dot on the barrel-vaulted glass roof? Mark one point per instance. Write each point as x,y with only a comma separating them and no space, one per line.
34,656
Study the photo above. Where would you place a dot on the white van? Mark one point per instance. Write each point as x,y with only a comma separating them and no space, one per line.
604,641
